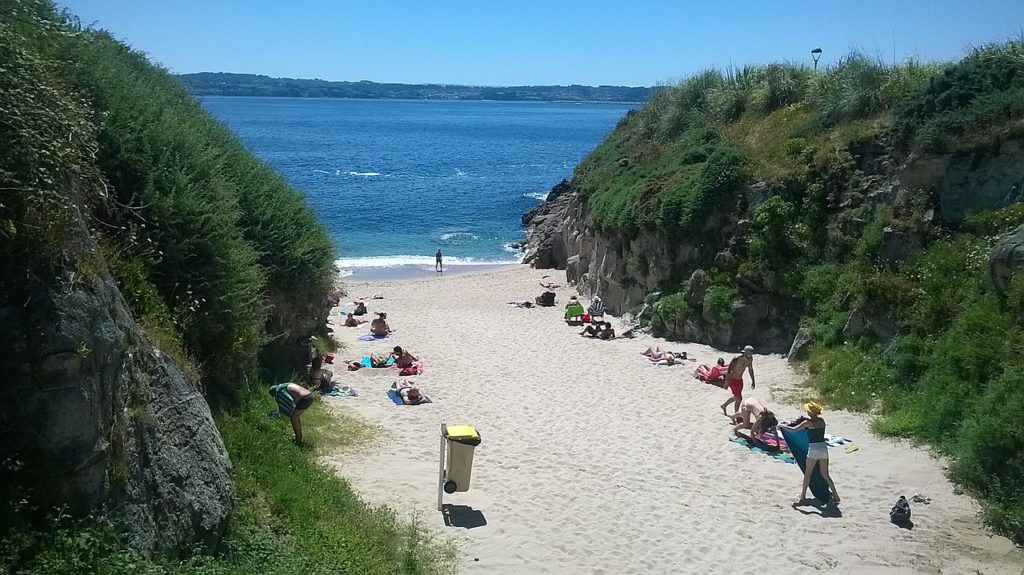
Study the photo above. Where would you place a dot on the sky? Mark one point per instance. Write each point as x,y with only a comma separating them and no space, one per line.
515,42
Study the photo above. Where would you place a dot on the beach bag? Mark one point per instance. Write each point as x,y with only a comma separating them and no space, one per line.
585,318
900,513
547,299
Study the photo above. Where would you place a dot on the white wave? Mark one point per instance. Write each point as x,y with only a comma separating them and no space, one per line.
459,173
405,260
537,196
315,171
447,237
367,174
508,248
345,273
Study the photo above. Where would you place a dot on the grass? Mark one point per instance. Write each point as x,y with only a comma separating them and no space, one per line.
292,516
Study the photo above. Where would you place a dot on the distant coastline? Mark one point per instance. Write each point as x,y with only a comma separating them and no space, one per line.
228,84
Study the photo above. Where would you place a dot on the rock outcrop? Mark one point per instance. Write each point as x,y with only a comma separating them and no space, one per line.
98,418
1005,261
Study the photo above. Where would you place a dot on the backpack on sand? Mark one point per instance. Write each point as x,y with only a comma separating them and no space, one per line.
900,513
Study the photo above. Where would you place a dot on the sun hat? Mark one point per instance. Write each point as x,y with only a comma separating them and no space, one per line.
813,407
748,349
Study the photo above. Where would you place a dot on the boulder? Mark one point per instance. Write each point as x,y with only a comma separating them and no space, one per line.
1005,261
102,420
898,245
696,287
756,194
801,346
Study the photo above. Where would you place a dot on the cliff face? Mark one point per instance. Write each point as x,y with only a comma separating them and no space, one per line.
98,419
623,270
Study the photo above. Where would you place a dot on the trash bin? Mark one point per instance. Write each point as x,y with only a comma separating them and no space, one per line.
462,441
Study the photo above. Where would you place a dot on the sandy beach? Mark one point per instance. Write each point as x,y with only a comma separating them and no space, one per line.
595,461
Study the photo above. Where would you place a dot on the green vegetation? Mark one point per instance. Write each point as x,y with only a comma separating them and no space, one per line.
292,516
940,360
200,235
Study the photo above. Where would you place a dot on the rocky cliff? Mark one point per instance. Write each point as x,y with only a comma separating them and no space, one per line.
97,419
925,192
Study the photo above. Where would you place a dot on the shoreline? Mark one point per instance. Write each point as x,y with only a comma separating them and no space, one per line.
407,272
594,460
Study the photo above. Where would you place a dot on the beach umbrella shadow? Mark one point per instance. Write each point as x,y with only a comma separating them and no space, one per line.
462,516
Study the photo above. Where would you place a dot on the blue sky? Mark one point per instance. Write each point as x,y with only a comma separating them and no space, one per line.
506,42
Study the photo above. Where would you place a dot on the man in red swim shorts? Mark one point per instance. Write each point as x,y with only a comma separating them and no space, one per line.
734,378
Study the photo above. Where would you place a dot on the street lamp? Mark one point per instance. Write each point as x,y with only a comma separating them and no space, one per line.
815,54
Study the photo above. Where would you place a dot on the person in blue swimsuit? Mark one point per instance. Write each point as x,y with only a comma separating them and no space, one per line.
817,450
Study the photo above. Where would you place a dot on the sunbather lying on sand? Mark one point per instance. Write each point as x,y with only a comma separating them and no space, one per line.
601,330
410,394
526,304
351,321
550,285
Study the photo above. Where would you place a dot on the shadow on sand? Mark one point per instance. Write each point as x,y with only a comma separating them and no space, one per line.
462,516
830,510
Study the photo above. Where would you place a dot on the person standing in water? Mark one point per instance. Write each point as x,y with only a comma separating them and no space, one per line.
438,264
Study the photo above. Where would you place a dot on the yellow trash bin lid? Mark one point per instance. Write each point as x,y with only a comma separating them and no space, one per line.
465,434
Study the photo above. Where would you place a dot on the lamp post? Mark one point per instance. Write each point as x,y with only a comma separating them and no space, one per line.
815,54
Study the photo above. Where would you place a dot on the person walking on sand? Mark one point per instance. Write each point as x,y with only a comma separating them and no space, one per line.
438,264
817,449
292,401
734,378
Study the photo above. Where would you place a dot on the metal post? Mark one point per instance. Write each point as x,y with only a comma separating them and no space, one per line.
440,470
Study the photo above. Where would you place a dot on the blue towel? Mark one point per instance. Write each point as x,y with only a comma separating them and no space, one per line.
798,442
367,363
371,337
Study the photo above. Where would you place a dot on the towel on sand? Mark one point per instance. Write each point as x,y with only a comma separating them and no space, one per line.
397,399
336,391
783,456
368,363
416,369
371,337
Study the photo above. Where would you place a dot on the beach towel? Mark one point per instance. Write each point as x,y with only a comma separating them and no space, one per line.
397,399
416,369
371,337
780,456
336,391
368,363
798,442
836,441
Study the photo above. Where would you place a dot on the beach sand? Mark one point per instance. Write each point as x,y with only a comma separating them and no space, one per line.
595,461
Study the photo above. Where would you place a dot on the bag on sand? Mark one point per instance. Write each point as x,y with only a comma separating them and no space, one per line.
547,299
900,513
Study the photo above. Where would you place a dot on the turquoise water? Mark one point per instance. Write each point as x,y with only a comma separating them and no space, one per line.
394,180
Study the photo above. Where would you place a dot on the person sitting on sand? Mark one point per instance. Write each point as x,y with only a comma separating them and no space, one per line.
596,309
351,321
292,401
360,308
734,378
753,415
379,327
319,378
403,359
410,394
817,449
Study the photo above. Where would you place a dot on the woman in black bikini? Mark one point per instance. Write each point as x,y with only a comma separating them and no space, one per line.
817,450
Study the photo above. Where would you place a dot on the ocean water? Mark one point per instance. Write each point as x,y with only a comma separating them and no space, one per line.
395,180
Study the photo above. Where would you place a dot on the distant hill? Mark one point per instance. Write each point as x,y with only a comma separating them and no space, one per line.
227,84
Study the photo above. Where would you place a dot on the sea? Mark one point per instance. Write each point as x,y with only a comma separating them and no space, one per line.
395,180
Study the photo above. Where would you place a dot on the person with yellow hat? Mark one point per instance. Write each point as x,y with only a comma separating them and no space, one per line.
817,449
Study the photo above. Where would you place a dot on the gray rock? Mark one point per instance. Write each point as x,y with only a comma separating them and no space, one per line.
696,287
801,346
898,245
103,420
756,194
1005,261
